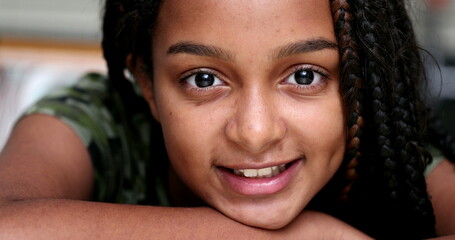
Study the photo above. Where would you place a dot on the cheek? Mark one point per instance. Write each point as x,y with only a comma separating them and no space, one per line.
322,133
191,139
180,132
325,121
186,154
330,136
323,141
191,134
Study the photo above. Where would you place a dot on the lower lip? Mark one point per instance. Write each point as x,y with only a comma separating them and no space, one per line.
260,186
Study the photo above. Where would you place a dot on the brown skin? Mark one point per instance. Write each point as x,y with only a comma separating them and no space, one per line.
441,187
255,110
45,180
45,183
46,172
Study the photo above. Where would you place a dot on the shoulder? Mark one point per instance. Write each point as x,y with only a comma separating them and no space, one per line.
116,139
43,158
441,188
81,106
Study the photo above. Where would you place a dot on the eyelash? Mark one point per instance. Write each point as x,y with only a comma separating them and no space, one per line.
194,72
318,70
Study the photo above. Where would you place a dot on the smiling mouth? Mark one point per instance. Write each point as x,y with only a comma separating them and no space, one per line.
261,181
267,172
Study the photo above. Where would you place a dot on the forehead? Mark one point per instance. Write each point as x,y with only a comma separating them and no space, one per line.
245,23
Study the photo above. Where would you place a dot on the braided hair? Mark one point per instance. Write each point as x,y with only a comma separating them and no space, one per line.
389,199
381,181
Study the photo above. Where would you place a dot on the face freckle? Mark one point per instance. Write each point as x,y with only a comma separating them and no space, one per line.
254,143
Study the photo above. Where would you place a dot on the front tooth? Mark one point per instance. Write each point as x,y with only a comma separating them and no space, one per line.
265,172
250,173
261,173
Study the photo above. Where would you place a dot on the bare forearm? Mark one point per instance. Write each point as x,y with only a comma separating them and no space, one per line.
68,219
59,166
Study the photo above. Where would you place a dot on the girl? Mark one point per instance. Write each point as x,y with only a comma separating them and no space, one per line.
280,119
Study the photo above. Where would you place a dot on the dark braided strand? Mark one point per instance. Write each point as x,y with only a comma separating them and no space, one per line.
351,85
369,167
127,31
379,192
335,198
406,114
394,151
373,34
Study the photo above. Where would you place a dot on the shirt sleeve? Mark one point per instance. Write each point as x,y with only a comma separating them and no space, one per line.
120,155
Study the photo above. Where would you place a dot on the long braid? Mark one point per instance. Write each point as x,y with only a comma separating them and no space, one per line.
406,114
372,33
350,88
336,197
119,24
347,22
127,29
378,192
391,175
410,110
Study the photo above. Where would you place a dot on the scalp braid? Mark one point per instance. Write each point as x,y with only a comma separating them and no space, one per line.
392,190
122,35
127,29
408,109
380,182
372,34
350,87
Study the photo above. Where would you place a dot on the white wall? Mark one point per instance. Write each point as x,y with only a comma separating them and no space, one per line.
27,72
75,20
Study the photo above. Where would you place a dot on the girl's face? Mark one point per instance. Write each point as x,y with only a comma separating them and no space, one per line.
247,96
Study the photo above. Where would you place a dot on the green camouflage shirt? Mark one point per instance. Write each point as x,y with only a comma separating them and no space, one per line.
121,155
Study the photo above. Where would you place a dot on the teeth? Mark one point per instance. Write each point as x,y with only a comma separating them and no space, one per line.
265,172
250,173
260,173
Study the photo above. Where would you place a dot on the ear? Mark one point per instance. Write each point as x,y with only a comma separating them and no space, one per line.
145,81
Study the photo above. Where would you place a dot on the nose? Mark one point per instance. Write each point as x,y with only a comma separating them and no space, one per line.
255,124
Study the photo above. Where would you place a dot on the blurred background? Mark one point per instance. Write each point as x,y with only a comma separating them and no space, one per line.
46,44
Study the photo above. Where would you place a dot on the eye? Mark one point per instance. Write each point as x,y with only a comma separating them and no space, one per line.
305,77
202,79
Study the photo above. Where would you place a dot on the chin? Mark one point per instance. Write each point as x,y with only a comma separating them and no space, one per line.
274,225
264,218
269,224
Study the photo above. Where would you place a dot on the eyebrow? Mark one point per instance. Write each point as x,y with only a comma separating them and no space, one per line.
200,50
304,47
298,47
